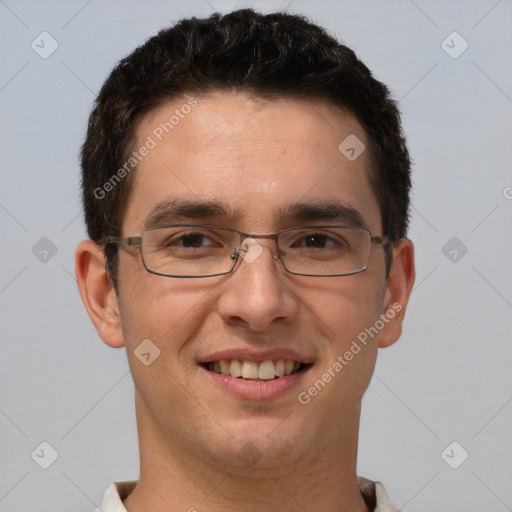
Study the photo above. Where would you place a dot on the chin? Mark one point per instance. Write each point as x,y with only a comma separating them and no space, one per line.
260,443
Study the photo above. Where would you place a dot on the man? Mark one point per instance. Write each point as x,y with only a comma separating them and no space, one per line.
246,192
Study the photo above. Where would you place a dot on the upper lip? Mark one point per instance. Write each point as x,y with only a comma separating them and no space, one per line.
256,355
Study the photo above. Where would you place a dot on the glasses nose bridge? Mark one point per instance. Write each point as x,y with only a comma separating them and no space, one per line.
257,236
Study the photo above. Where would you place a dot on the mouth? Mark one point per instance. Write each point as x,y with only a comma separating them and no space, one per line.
269,370
256,375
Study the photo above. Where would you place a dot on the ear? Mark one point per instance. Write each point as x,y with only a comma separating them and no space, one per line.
97,292
399,287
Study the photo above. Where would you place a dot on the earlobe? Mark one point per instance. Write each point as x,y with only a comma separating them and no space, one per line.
97,292
399,287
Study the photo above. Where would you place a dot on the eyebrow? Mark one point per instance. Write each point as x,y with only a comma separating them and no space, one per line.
176,210
179,210
322,211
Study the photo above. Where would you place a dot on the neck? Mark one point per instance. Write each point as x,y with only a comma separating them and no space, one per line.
174,479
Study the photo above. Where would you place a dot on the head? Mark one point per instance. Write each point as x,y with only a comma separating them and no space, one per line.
237,121
265,56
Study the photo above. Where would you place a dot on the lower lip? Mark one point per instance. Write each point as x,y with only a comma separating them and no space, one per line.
256,389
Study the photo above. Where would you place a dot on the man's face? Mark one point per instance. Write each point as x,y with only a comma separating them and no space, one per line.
256,160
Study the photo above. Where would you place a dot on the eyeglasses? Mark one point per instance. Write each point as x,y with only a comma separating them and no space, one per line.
198,250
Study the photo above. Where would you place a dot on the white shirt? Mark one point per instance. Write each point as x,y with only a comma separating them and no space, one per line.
373,492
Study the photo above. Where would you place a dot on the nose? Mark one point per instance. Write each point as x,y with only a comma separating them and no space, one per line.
257,293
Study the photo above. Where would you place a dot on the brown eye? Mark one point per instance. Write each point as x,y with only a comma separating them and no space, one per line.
192,240
316,240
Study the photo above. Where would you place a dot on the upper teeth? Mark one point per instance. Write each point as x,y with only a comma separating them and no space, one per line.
266,370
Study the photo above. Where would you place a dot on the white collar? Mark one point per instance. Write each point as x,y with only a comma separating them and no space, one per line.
118,491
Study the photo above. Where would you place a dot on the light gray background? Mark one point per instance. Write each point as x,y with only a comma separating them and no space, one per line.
448,379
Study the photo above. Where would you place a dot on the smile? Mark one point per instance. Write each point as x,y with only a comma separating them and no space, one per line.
251,374
253,370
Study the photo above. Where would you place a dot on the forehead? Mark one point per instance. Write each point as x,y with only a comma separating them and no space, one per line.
253,156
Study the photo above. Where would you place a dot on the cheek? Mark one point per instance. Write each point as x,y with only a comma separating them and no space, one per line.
159,318
347,307
345,318
167,311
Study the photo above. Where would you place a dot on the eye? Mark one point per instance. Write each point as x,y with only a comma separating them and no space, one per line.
318,240
190,240
193,240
